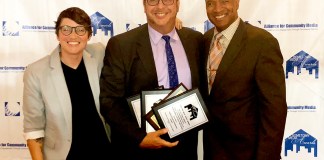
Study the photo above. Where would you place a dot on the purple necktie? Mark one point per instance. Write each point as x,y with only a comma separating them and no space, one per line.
173,75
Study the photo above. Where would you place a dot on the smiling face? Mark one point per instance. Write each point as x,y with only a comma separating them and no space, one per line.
222,13
161,17
72,44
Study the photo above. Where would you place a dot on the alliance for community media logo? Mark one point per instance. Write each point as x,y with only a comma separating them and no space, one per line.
291,26
99,21
13,28
302,108
301,141
302,61
12,68
10,145
12,109
10,28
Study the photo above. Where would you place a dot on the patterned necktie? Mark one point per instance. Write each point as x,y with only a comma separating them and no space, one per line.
215,57
172,68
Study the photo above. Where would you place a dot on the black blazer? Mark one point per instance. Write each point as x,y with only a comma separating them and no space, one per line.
248,98
128,69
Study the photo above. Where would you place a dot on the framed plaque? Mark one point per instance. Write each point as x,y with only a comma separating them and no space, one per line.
176,91
151,119
181,114
134,103
148,99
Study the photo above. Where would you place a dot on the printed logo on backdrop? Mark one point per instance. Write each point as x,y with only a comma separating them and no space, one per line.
284,26
301,143
255,23
291,26
13,28
12,68
12,109
130,26
208,25
10,145
100,22
302,108
10,28
302,62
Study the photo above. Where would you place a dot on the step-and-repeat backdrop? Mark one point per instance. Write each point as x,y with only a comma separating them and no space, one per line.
27,34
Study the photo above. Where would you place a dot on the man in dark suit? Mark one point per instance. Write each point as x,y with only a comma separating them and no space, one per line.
136,61
247,99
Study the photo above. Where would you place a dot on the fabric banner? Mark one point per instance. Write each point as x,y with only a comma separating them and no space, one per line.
27,34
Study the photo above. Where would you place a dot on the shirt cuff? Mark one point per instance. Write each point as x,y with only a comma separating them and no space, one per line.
34,135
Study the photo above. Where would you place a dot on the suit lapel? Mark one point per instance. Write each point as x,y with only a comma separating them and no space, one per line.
190,52
208,38
231,53
92,72
62,92
144,51
207,41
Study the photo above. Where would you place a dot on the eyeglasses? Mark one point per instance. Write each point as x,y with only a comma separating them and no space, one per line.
67,30
156,2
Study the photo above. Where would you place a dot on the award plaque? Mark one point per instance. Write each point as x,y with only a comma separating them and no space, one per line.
183,113
134,103
151,119
176,91
148,99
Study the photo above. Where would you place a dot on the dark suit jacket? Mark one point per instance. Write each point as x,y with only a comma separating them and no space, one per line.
248,98
128,69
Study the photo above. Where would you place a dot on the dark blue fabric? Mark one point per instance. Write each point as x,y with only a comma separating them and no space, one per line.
173,75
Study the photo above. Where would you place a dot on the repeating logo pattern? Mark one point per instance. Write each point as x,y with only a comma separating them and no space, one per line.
208,25
12,109
130,26
98,21
302,60
10,28
300,139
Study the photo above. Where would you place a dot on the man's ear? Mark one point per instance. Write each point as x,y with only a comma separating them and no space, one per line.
178,5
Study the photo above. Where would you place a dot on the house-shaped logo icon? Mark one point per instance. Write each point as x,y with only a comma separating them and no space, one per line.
302,60
301,139
98,21
193,110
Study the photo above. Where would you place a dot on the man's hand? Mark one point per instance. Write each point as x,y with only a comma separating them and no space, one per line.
153,140
178,24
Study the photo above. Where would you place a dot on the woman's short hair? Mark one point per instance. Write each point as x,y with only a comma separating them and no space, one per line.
77,15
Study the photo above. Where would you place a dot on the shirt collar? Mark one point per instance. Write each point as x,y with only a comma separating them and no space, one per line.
228,33
155,36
